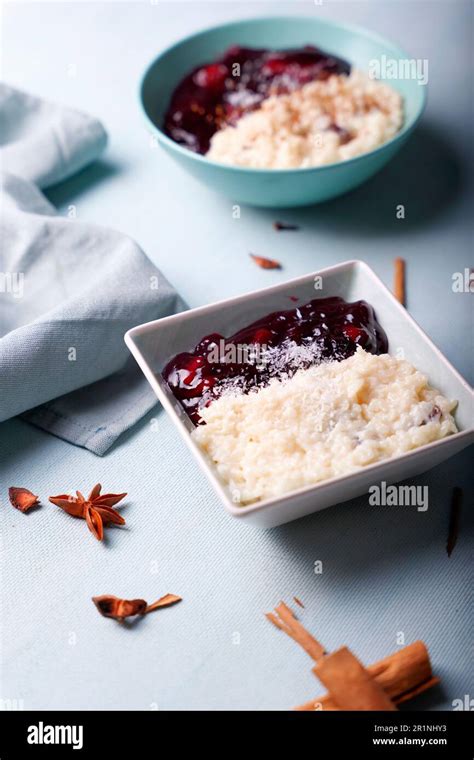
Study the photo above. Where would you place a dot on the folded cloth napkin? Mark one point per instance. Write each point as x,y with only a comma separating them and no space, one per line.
44,142
68,290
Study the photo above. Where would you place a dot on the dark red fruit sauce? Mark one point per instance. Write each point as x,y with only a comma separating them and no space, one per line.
219,93
283,342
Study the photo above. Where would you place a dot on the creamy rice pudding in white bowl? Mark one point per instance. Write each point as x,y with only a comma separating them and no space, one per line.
305,422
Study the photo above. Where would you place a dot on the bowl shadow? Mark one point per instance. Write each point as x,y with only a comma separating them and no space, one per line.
372,539
425,178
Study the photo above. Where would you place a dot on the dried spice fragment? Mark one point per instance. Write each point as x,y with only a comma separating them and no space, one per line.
454,520
22,499
298,601
282,227
284,619
399,281
119,609
265,263
165,601
96,510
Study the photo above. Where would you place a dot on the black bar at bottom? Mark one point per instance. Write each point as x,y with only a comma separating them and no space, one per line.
79,734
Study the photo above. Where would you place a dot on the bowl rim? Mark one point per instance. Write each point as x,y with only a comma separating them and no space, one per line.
200,456
404,132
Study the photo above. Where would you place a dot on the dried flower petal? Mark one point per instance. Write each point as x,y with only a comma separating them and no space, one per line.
119,609
22,498
165,601
265,263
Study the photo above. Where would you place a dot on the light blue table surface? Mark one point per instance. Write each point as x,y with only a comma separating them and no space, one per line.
385,571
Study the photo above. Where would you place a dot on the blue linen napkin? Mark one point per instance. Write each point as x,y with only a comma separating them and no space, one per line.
68,290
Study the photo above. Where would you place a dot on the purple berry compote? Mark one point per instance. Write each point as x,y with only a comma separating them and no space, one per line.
218,94
276,346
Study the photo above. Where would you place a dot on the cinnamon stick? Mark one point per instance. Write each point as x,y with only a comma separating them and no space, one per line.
402,675
399,280
284,619
351,686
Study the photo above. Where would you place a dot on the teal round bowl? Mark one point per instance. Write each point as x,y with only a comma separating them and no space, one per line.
277,187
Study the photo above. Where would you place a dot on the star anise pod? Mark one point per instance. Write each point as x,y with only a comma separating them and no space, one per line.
96,510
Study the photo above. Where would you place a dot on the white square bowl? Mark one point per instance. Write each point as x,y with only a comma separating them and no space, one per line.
153,344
